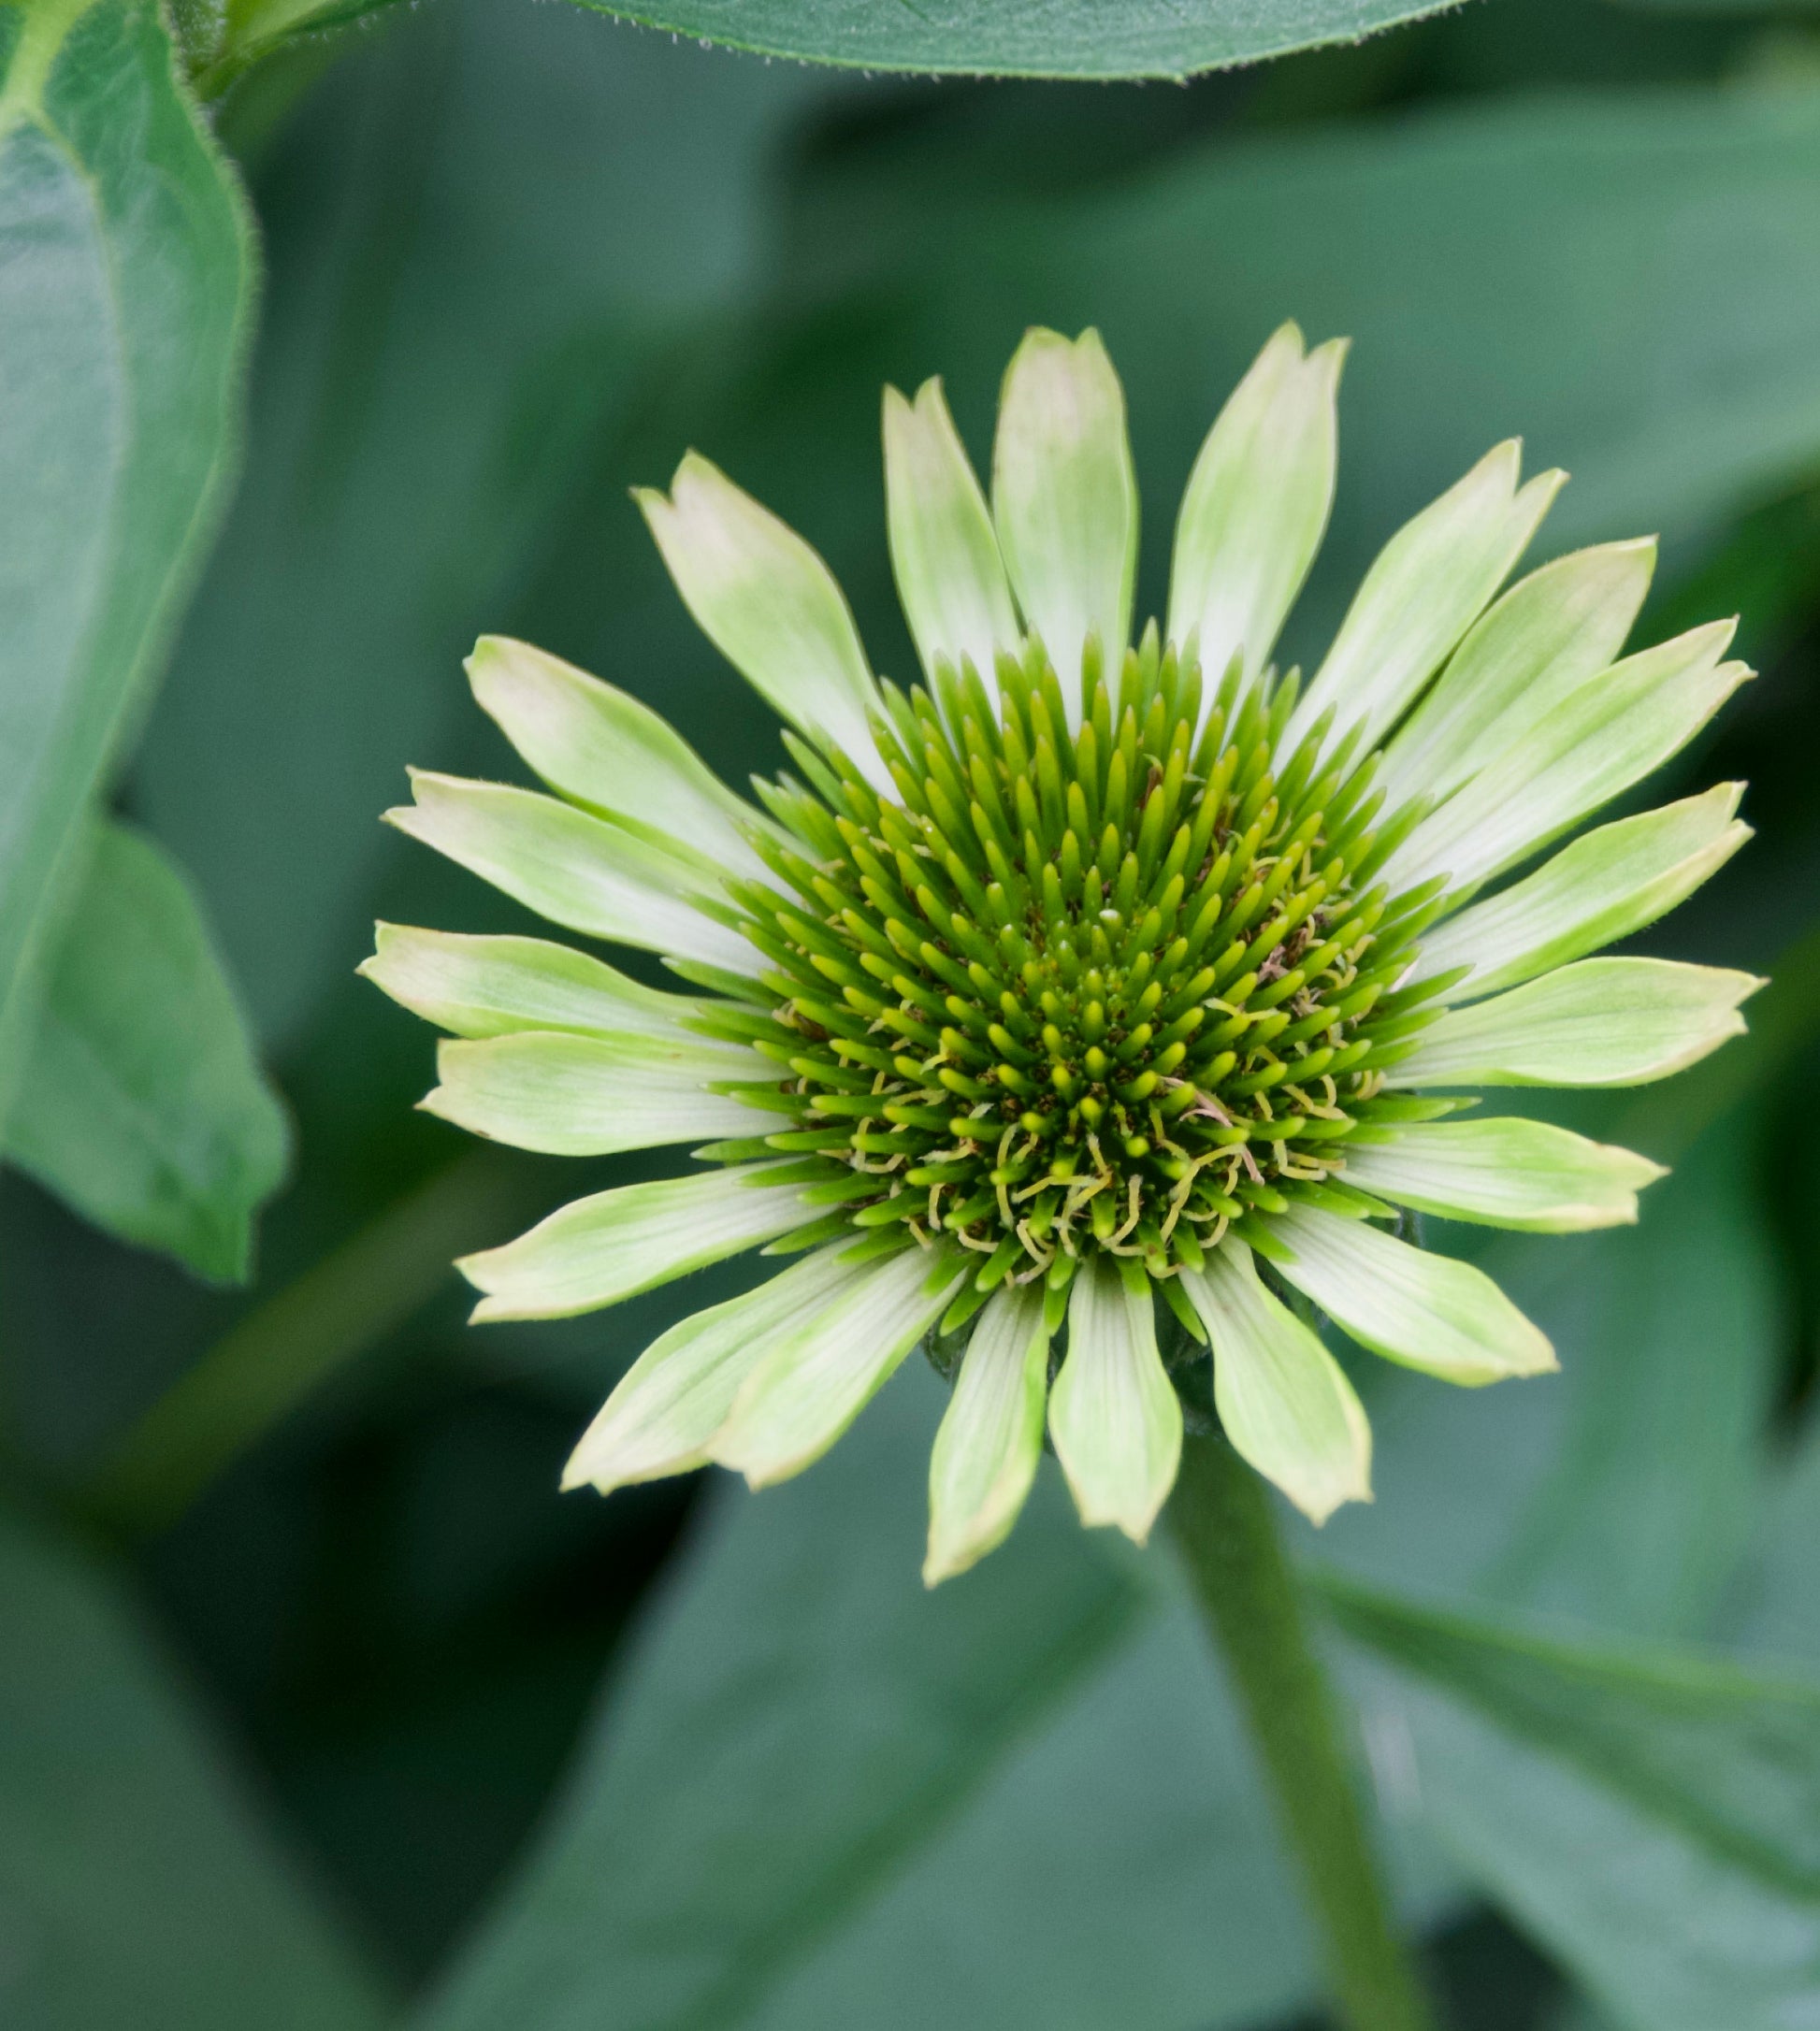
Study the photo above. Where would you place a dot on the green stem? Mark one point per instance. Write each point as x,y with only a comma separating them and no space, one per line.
288,1347
1221,1518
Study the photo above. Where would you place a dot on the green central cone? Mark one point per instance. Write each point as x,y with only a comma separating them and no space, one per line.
1114,992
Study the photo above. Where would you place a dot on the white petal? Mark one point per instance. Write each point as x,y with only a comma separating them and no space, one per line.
590,1096
1547,635
1426,1311
944,552
986,1450
1428,585
1113,1416
676,1395
600,747
1604,886
1065,497
1504,1172
1601,1022
1586,748
1256,506
574,870
769,605
1283,1400
486,987
818,1374
595,1251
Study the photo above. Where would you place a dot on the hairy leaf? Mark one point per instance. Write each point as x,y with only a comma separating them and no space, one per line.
125,283
1040,38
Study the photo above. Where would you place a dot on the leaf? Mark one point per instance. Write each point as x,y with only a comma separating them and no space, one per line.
125,290
1678,1327
812,1766
143,1105
803,1713
1652,1819
1772,1608
1054,38
138,1885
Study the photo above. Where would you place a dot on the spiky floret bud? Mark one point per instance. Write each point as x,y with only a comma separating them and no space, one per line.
1119,989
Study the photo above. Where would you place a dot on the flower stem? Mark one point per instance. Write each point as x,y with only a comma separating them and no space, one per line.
288,1347
1223,1523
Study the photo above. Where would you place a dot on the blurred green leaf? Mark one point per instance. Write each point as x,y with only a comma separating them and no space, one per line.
125,287
814,1767
1630,283
1656,1484
1654,1820
137,1884
804,1718
143,1105
1774,1607
1622,1489
1053,38
1768,8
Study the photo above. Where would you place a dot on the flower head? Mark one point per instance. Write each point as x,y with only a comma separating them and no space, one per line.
1050,998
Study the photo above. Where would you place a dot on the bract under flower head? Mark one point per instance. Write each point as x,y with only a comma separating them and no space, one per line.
1070,981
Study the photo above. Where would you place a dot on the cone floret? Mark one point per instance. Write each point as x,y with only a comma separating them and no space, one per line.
1114,988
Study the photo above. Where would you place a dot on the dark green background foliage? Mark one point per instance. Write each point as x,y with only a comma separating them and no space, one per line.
318,1707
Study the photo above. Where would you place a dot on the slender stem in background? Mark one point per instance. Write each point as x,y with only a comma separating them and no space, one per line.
287,1347
1223,1523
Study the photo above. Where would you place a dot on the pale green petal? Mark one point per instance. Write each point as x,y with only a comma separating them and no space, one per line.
943,551
1604,886
1283,1400
1428,585
676,1395
769,605
1256,506
491,987
1601,1022
1584,750
818,1374
1502,1173
575,870
1064,497
590,1096
986,1450
600,747
1547,635
1426,1311
612,1245
1115,1422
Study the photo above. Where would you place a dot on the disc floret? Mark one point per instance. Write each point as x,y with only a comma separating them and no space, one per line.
1112,990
